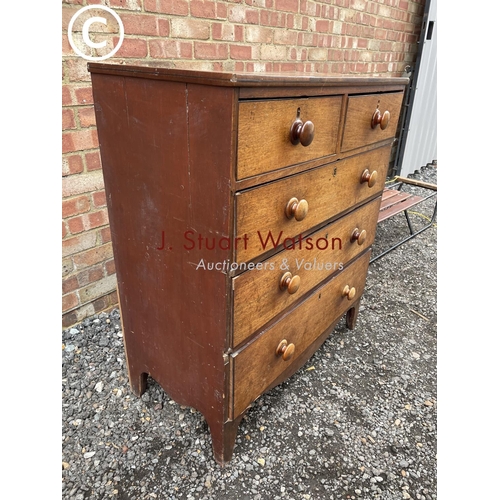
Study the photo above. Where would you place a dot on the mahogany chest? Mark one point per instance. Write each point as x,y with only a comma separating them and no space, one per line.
242,210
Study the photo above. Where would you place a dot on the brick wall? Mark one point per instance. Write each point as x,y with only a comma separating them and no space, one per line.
337,36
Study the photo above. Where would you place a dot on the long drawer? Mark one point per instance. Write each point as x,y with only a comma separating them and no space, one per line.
264,291
257,365
295,205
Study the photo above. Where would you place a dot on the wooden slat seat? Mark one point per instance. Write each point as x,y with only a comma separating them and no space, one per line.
395,202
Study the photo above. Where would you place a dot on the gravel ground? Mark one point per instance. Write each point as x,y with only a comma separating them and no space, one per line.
358,421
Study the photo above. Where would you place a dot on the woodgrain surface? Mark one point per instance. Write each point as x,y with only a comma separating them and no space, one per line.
174,316
257,294
257,366
358,131
329,190
264,127
209,154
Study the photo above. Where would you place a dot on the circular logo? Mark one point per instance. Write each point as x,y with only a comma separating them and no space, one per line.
104,28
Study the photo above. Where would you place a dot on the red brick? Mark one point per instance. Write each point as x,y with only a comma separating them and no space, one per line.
186,50
203,8
106,235
240,52
67,13
96,219
99,199
69,301
110,267
70,319
67,100
150,6
79,140
75,206
75,225
238,33
88,221
67,49
139,24
93,161
72,165
176,7
86,117
163,27
323,26
68,119
69,284
221,10
132,47
210,50
287,5
64,230
83,95
252,16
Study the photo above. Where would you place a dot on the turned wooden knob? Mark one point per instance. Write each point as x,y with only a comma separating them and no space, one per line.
285,350
359,236
349,292
290,283
370,178
381,119
301,132
296,209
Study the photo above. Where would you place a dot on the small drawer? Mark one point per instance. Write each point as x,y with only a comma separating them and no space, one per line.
268,214
273,285
260,363
267,142
370,119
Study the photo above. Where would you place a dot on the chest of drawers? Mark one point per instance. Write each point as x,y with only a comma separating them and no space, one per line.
242,210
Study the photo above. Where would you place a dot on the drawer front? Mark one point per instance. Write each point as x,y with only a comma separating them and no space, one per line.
263,292
257,365
261,218
358,129
264,142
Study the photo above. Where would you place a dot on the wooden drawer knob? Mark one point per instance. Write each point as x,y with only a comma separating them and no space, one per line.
290,283
285,350
359,236
349,292
296,209
381,119
370,178
301,132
